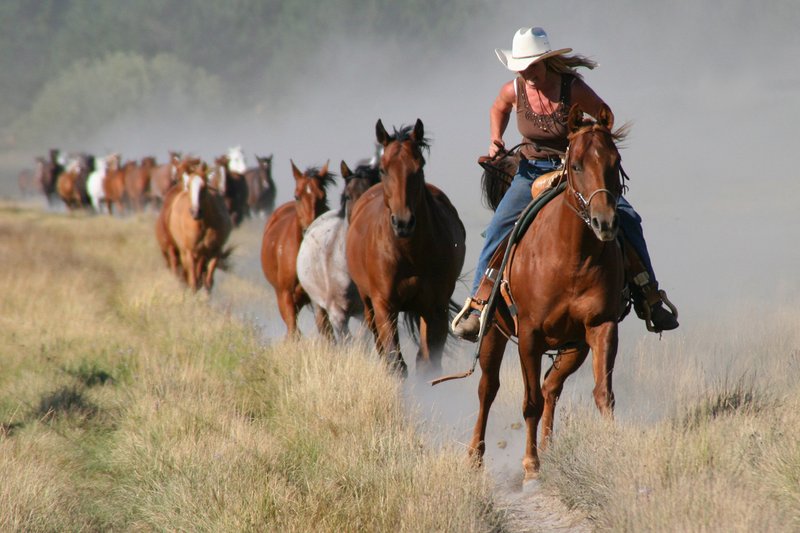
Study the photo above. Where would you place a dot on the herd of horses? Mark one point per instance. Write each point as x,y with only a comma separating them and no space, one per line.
396,245
108,185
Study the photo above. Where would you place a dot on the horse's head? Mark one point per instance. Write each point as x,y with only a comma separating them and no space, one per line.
593,171
402,175
236,162
310,195
356,183
219,174
265,168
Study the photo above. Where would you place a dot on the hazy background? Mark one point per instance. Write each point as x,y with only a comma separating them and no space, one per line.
711,88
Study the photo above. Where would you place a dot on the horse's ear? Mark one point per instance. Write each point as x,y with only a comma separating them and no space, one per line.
419,131
380,133
575,120
296,171
605,117
324,170
346,172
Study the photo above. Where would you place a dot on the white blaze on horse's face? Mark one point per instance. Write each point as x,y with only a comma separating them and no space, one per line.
237,163
196,184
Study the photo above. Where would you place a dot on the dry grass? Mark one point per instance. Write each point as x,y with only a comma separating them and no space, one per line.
128,403
726,457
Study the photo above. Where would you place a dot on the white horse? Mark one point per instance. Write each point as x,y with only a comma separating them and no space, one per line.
94,183
321,261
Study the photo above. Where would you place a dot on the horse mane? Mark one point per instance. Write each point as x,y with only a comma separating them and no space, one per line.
618,135
404,134
325,180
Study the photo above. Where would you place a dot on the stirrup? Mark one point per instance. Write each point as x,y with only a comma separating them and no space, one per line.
647,316
461,314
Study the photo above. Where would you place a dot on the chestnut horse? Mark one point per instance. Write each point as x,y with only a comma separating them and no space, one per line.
199,226
283,234
566,279
137,183
163,177
405,249
321,261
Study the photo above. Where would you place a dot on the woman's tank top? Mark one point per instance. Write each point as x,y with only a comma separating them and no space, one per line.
544,130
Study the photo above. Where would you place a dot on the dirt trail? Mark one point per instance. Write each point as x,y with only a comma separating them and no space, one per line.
446,412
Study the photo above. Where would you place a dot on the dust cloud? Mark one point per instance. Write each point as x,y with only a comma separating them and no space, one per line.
710,90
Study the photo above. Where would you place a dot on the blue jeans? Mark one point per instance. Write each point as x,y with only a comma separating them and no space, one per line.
518,196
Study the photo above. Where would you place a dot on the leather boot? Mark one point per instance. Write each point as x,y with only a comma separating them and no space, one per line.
468,328
662,319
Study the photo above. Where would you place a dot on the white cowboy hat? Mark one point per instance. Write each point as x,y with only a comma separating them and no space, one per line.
529,46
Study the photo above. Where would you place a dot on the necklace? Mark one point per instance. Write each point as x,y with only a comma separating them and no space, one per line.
545,121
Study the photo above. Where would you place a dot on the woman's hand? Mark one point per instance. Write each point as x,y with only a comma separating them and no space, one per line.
496,147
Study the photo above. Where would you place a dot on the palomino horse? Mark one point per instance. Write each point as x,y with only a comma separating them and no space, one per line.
199,226
260,187
566,279
405,249
283,234
321,261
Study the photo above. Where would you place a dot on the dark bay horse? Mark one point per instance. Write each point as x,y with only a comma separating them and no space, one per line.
566,279
283,234
199,226
405,249
322,263
261,187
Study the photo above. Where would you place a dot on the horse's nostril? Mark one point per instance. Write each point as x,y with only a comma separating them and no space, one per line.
394,220
595,223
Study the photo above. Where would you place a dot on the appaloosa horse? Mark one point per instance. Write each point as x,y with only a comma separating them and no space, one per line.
405,249
283,234
321,261
566,280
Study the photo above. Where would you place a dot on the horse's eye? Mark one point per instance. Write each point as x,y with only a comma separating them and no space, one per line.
296,198
576,167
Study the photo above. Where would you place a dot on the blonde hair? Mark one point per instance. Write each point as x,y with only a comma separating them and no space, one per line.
569,64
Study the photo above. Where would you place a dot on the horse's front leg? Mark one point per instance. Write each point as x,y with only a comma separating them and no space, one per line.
491,355
432,337
603,341
564,366
288,311
208,282
530,357
388,340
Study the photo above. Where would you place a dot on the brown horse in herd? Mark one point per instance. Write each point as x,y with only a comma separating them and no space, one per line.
260,187
71,184
137,183
163,177
283,234
566,279
193,227
405,249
